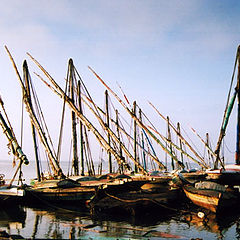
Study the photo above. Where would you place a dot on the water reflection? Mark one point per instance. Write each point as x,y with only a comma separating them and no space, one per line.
12,217
208,221
53,223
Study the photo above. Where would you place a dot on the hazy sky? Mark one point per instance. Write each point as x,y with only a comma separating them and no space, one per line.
177,54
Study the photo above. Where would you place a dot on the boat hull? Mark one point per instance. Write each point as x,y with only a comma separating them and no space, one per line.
10,195
213,200
75,195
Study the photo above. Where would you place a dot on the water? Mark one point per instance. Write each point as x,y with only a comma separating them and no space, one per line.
57,223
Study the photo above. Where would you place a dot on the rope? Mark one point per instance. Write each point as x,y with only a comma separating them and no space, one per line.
196,149
61,127
86,91
148,199
40,115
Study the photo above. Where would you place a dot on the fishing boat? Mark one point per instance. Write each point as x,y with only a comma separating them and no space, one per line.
59,188
211,195
112,201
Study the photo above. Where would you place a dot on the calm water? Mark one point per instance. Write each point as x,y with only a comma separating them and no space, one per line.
54,223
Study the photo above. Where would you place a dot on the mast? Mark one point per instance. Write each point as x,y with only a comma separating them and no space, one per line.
27,87
74,130
54,164
88,124
81,129
16,149
153,156
170,140
143,147
135,136
109,136
180,141
227,113
237,156
119,140
202,163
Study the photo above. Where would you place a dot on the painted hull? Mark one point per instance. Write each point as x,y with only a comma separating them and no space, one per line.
212,200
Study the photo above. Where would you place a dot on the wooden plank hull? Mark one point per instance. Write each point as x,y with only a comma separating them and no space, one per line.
213,200
49,190
132,202
75,195
207,202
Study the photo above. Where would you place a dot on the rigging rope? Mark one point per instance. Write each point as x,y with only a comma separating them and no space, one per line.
40,115
61,126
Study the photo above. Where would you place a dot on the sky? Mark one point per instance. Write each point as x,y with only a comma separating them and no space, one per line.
179,55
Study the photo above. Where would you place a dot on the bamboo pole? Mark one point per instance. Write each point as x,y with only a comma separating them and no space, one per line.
123,131
139,122
178,148
56,168
109,136
81,129
27,87
203,164
74,130
101,140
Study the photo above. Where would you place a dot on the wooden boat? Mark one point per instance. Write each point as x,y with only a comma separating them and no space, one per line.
78,192
210,195
131,203
59,191
150,196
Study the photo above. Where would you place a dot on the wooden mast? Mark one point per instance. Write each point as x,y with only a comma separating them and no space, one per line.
237,156
143,147
135,136
170,140
101,140
108,135
16,149
120,143
137,120
180,141
27,87
74,130
202,163
81,129
154,157
54,164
